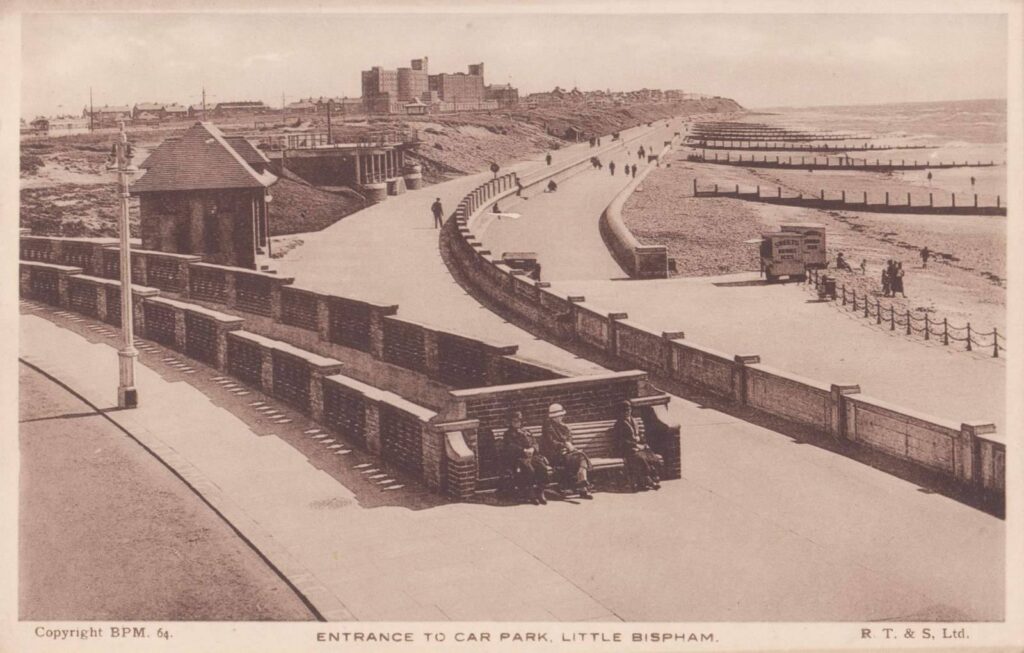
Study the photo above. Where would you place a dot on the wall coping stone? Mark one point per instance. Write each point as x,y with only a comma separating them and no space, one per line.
72,239
315,359
191,258
56,267
789,376
196,308
673,335
383,396
589,379
904,412
142,291
230,268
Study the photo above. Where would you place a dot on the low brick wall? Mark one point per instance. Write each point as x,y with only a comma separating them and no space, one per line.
195,331
85,253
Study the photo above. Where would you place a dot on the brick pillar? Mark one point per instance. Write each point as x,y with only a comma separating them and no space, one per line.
668,368
316,395
95,267
431,356
101,301
25,281
574,301
613,331
837,413
230,294
138,269
184,269
432,439
739,377
56,251
460,468
372,425
377,334
492,367
267,370
323,318
180,336
275,302
967,452
221,355
62,289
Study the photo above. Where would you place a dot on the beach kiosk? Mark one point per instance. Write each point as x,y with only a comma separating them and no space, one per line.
814,242
782,255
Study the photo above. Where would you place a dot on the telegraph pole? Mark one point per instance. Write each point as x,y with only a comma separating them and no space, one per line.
127,395
330,104
90,109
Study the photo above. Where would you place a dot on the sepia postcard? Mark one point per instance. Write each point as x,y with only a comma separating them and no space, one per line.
493,326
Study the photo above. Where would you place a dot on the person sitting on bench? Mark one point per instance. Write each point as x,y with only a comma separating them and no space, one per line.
643,466
529,468
556,444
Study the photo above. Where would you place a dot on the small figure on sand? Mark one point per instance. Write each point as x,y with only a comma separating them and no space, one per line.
842,263
929,179
972,182
887,279
897,280
611,167
864,266
634,171
925,255
552,186
548,158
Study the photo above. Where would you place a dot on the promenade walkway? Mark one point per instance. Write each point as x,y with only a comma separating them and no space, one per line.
389,253
759,528
784,324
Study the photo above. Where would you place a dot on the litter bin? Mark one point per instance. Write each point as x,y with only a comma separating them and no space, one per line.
828,287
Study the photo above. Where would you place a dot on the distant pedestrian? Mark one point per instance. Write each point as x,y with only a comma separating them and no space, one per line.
887,279
842,264
634,171
929,179
438,211
552,186
925,255
972,182
897,282
548,158
864,266
494,169
519,188
599,141
611,168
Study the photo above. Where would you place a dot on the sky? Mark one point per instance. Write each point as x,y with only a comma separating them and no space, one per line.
765,60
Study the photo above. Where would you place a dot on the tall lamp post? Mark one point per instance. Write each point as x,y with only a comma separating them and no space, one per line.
127,395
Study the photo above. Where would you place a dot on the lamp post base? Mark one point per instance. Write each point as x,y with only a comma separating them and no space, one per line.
127,397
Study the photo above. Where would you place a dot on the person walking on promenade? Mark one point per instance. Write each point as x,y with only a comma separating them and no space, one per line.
972,182
634,171
897,281
925,255
529,468
519,188
548,158
643,466
887,278
611,167
640,153
556,445
438,211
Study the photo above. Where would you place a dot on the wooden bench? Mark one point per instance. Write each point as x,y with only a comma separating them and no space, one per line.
594,438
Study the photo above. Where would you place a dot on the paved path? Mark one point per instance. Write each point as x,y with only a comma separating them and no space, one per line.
759,528
782,323
389,253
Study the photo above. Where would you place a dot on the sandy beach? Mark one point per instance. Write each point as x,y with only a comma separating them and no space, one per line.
965,279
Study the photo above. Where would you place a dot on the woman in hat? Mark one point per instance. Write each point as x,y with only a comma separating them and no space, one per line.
556,444
643,466
530,468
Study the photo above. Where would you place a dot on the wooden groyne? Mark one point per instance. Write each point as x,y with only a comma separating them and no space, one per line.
821,201
773,146
827,163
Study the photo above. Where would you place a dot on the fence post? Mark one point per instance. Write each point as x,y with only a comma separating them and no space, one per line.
945,330
975,200
844,294
695,188
968,336
865,198
908,323
892,317
887,198
954,200
908,199
930,202
927,328
844,197
878,311
780,192
854,301
997,201
822,193
995,342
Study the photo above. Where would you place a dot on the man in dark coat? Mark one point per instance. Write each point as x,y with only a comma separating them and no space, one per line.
438,213
530,468
642,465
557,446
